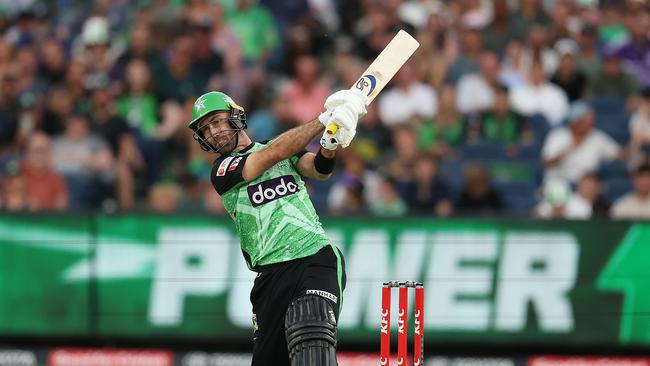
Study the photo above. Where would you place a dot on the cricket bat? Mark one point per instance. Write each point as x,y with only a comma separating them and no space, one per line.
383,68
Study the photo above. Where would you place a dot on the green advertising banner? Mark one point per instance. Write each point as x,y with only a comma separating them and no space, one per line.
36,255
182,277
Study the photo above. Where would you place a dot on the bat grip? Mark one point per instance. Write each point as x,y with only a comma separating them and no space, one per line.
331,129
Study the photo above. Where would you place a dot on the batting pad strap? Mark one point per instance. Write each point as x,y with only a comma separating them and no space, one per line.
322,164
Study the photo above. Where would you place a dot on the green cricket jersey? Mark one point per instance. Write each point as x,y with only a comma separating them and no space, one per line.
273,214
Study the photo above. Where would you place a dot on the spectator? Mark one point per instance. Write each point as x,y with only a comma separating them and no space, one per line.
138,106
501,124
572,81
352,199
613,82
587,202
128,157
164,198
436,44
53,61
86,163
306,90
538,96
45,189
95,50
401,164
529,14
75,80
388,203
537,49
474,14
475,92
13,197
558,202
590,189
207,60
253,24
225,41
447,131
265,124
426,193
357,183
611,30
588,60
561,19
636,52
28,80
29,116
515,67
197,11
140,46
640,126
58,105
477,197
500,31
373,139
570,152
8,110
407,99
468,62
635,205
177,80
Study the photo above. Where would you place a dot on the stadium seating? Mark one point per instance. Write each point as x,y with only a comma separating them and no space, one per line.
616,187
612,118
519,196
483,151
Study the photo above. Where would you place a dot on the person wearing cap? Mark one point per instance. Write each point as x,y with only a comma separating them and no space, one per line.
570,152
95,49
636,204
297,295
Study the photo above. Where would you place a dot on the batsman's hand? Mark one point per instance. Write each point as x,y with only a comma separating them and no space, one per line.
343,110
341,137
353,99
341,127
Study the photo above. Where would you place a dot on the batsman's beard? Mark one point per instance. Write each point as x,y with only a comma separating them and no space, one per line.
227,146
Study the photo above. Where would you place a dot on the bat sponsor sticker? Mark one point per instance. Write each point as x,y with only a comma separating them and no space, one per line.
367,84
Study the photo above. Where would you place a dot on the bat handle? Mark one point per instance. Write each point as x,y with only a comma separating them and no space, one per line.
331,129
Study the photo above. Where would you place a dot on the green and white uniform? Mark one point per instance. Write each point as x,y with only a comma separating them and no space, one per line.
281,238
273,214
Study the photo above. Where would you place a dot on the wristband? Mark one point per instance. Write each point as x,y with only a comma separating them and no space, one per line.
322,164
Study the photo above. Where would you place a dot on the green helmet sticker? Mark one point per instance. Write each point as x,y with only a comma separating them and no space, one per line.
211,102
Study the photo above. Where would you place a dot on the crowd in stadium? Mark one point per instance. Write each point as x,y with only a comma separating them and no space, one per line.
530,108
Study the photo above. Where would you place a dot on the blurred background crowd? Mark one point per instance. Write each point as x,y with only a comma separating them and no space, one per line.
534,108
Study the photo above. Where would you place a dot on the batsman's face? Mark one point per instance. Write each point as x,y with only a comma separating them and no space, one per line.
216,129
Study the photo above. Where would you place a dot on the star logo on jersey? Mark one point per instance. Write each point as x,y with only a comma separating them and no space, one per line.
199,104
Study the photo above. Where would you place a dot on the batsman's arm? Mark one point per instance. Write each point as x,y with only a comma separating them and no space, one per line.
307,165
284,146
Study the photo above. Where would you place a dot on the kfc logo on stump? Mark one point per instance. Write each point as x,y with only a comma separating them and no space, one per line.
272,189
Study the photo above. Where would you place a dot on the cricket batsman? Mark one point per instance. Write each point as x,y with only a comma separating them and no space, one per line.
297,294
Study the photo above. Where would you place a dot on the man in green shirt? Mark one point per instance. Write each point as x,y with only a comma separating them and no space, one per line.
297,293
